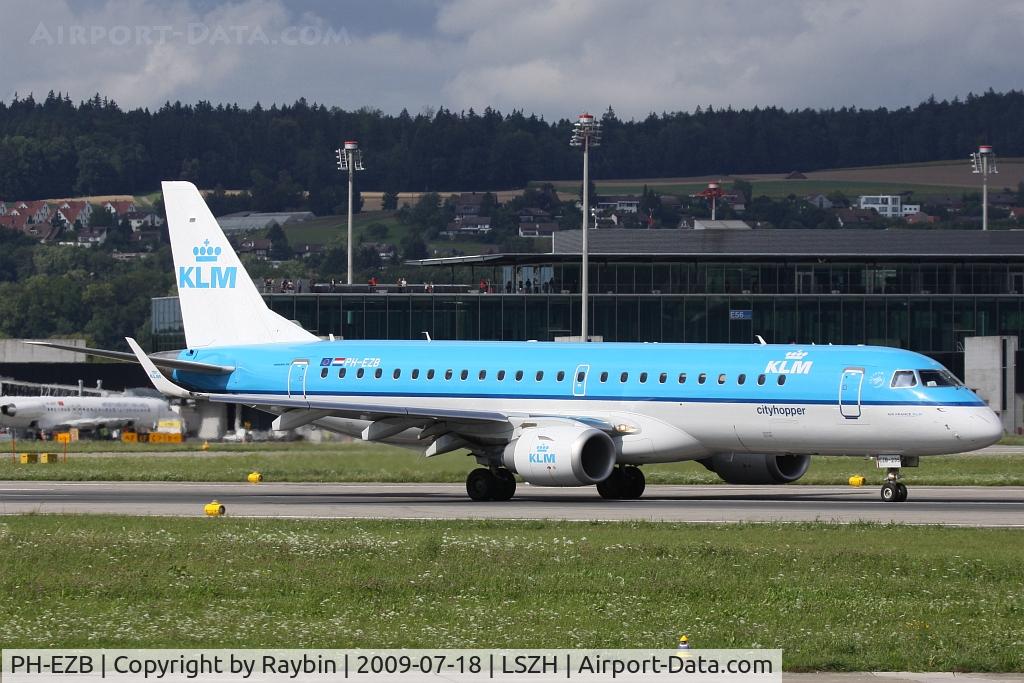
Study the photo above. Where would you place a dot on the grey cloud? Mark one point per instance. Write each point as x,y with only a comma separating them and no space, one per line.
553,57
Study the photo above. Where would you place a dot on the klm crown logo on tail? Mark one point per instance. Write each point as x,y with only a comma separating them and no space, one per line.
206,277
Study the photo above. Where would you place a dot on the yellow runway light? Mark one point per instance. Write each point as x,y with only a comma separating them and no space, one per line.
214,509
856,480
254,477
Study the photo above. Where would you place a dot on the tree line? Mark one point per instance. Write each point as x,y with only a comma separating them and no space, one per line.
284,154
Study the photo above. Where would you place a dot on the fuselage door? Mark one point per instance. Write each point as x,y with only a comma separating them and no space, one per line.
850,386
579,380
297,378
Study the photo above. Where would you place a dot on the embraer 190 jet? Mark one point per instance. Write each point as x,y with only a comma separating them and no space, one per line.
557,414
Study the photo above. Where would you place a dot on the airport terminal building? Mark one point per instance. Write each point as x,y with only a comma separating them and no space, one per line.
925,290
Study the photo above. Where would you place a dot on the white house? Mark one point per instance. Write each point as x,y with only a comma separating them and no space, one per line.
888,205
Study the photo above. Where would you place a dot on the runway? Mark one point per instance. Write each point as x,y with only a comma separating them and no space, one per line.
946,505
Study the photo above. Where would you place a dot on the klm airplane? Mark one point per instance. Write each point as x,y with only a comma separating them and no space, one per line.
557,414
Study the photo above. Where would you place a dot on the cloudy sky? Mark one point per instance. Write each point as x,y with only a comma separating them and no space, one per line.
552,57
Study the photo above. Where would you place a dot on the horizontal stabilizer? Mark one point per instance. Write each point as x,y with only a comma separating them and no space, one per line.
125,357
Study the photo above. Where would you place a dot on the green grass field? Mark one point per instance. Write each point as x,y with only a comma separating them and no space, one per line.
857,597
775,188
358,462
327,229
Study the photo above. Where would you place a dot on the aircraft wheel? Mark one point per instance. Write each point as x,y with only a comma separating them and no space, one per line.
504,484
890,492
901,492
481,484
634,482
612,487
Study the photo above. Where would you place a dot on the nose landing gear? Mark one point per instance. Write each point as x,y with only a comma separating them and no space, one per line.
893,490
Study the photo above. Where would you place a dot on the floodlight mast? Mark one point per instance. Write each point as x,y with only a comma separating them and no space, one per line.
350,158
984,162
586,133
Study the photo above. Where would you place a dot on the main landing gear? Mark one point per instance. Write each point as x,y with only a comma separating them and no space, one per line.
487,484
625,482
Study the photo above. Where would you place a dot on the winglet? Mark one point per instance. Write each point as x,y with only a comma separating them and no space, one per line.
162,384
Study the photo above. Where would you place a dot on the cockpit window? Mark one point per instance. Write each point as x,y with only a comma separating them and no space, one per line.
938,378
902,379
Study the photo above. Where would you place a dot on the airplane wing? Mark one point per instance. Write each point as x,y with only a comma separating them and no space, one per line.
159,361
442,429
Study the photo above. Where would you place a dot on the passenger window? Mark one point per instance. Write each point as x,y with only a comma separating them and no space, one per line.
519,375
378,373
415,373
430,373
397,373
902,379
501,375
560,376
643,378
702,377
662,378
360,372
580,376
682,378
623,377
448,373
464,374
741,379
604,377
483,374
721,378
323,373
760,380
341,373
540,375
782,380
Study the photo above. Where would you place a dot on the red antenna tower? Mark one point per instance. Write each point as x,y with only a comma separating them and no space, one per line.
713,192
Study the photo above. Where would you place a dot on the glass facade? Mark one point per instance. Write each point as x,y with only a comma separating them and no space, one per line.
923,306
796,277
929,324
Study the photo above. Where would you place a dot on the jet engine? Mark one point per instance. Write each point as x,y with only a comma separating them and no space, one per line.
561,455
10,410
757,468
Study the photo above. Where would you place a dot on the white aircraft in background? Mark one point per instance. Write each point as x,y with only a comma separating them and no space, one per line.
51,413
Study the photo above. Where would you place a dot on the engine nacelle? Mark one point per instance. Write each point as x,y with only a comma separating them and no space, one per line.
561,455
757,468
10,410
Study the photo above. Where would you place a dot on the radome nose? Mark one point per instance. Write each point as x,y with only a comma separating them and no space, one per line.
983,428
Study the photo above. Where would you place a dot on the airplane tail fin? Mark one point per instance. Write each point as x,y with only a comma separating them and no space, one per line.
220,305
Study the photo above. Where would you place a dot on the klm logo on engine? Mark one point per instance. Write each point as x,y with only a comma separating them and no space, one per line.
793,365
203,276
542,455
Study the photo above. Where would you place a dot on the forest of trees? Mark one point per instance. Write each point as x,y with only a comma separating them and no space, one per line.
54,147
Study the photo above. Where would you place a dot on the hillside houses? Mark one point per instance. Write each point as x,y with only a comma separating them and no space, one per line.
47,220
